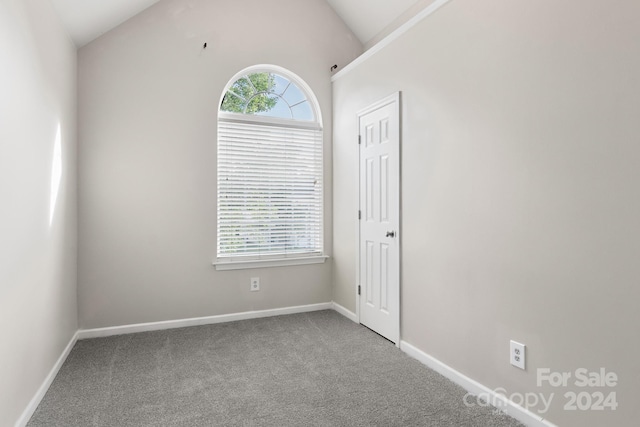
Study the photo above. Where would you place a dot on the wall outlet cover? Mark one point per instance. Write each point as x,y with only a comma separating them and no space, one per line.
517,354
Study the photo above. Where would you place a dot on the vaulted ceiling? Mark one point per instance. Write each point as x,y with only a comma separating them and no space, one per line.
88,19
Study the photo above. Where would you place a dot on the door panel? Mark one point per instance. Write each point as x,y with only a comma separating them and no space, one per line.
379,225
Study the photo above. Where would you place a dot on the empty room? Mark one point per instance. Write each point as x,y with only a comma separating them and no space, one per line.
319,213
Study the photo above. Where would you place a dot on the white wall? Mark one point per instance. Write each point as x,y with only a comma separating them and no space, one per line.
38,313
521,163
148,100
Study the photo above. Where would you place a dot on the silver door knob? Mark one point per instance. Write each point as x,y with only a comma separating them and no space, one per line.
391,234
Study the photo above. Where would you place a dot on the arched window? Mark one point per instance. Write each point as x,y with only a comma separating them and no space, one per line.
270,183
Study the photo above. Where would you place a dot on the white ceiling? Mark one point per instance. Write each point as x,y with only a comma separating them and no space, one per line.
88,19
366,18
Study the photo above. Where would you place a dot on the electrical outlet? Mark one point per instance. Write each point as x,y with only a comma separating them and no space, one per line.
517,354
255,284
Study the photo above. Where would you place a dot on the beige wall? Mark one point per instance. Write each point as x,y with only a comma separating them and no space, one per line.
38,314
520,191
148,99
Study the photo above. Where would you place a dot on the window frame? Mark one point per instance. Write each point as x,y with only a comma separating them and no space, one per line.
260,261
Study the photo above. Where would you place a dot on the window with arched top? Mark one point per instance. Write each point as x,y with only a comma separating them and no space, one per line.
268,94
270,171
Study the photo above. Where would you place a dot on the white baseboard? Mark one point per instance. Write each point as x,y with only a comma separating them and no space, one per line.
346,313
37,398
198,321
516,411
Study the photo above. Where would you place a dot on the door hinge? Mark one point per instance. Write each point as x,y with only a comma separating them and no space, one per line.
359,139
358,289
359,214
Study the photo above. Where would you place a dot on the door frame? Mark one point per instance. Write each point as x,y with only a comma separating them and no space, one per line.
396,98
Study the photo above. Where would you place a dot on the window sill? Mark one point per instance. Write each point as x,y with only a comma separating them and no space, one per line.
264,263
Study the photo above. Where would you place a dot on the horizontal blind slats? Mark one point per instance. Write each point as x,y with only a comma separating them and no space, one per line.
269,190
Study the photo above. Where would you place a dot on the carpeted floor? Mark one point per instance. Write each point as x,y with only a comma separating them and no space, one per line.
312,369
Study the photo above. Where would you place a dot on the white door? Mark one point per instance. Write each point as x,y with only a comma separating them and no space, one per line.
379,242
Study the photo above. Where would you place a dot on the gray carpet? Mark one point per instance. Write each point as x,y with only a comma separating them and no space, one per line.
312,369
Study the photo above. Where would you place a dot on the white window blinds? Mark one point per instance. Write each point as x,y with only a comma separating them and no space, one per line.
269,189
